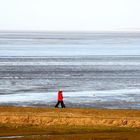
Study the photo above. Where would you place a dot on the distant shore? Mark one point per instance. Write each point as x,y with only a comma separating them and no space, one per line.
28,120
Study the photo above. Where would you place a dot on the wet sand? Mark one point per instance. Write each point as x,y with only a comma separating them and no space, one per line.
98,81
69,123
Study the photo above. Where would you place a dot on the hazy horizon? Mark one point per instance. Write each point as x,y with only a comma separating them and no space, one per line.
73,31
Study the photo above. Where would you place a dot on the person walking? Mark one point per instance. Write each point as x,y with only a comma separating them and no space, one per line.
60,99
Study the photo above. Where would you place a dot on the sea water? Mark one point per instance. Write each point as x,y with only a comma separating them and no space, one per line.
93,69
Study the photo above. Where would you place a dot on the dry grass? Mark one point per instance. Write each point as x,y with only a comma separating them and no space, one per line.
31,121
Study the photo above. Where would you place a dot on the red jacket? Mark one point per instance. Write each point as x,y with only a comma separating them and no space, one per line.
60,96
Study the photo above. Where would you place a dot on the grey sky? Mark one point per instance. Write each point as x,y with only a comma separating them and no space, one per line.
70,15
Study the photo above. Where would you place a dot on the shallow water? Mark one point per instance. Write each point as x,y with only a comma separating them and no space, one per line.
95,81
93,69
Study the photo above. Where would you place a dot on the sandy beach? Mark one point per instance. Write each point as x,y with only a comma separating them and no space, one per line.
50,122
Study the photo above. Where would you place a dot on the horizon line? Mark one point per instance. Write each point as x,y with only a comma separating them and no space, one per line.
75,31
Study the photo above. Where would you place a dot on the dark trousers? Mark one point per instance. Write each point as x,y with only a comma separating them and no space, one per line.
60,102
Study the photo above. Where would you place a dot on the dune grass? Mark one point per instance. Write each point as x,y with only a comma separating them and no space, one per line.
64,131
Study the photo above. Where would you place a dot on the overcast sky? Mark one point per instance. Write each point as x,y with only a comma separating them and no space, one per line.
70,15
